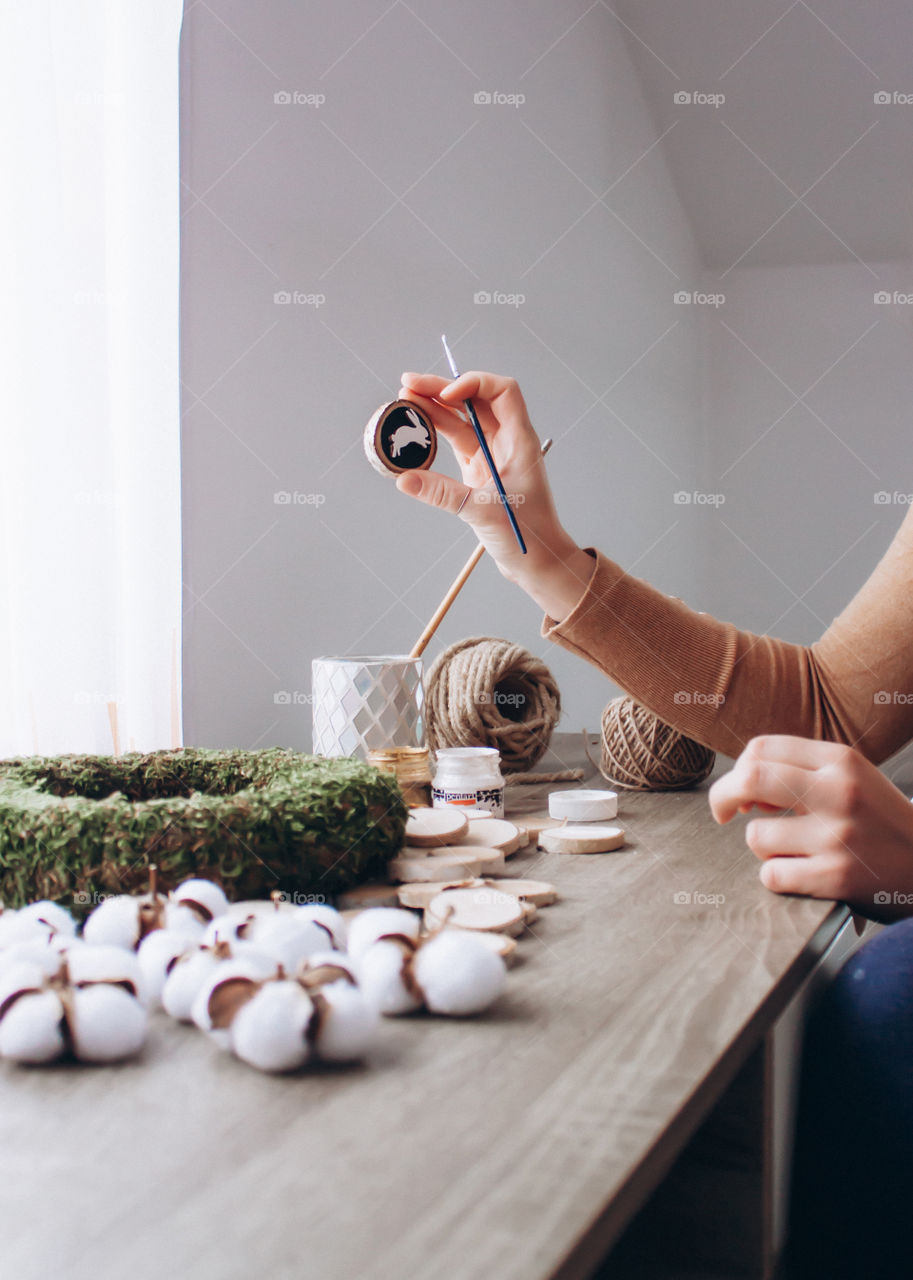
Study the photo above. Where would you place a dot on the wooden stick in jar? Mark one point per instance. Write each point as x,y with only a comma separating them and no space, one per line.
456,587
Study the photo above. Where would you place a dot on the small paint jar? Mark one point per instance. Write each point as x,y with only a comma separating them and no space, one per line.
469,778
411,767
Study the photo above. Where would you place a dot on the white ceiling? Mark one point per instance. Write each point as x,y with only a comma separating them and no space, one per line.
799,81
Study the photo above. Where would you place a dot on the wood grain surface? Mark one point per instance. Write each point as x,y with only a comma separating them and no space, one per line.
514,1145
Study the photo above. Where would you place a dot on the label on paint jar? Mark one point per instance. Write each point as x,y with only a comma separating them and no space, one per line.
490,799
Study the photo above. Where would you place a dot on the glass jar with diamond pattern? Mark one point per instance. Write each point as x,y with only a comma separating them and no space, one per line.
364,702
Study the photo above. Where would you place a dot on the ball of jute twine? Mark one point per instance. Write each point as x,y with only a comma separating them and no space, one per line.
643,753
485,692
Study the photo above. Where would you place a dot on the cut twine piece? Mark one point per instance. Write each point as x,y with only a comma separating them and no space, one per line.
642,753
485,692
561,775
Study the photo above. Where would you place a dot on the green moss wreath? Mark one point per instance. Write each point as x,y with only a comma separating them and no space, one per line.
77,825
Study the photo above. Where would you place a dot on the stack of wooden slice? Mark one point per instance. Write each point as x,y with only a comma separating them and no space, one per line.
442,844
449,862
446,870
538,892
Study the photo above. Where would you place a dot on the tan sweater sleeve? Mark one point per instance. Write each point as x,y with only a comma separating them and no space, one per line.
723,686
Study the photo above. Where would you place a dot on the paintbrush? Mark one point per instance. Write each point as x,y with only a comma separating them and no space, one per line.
486,452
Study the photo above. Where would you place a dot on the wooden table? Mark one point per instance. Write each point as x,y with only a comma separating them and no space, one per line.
516,1145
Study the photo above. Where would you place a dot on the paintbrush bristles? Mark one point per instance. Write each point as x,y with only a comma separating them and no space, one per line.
449,354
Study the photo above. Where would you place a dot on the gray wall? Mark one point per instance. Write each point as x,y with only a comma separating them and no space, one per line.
398,199
815,487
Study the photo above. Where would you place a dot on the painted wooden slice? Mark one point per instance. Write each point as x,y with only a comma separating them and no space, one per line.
400,437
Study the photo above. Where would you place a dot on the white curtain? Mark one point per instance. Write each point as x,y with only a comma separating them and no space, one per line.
90,552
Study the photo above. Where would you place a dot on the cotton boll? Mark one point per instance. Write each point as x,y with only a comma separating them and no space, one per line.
114,922
83,1004
329,919
347,1023
457,974
87,964
253,908
46,951
31,1029
380,976
36,921
198,970
21,975
205,895
185,981
124,920
251,968
269,1032
158,953
332,959
107,1023
377,922
50,916
226,928
181,918
290,939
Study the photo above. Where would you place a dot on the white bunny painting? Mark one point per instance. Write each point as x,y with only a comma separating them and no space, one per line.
412,432
398,438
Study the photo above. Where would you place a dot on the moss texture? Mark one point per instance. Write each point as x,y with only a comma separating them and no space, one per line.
74,826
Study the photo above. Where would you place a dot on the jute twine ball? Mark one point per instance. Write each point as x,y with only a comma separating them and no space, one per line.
484,692
643,753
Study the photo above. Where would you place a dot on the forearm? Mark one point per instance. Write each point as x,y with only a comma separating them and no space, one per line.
557,578
711,681
672,660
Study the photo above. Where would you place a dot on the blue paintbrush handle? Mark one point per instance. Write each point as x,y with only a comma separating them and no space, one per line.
483,445
486,452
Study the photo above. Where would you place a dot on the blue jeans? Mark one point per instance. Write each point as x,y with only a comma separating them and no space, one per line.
852,1198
